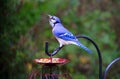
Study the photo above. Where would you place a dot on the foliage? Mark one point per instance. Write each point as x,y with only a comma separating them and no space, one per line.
25,28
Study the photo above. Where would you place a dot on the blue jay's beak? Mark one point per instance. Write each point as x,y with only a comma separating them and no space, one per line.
50,16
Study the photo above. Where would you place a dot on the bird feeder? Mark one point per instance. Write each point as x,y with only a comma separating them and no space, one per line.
50,68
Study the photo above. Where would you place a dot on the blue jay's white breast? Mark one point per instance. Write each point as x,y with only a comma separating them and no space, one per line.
64,42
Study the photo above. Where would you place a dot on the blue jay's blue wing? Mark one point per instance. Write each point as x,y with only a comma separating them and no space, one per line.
63,33
67,36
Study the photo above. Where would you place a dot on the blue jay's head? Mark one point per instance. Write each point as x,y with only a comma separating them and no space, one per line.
53,20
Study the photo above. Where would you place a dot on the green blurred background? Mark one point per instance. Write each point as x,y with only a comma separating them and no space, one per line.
24,28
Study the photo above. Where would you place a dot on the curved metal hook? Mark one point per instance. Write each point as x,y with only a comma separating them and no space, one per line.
98,51
108,67
54,52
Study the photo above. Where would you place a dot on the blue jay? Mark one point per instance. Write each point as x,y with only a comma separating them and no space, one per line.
64,36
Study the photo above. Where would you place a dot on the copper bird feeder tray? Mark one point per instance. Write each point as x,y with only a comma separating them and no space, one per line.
51,61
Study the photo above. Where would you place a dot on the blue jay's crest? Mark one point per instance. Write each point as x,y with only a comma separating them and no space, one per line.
64,36
53,20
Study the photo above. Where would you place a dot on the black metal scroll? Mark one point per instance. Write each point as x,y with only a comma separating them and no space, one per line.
54,52
108,67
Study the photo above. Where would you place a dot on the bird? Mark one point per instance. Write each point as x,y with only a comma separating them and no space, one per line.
64,36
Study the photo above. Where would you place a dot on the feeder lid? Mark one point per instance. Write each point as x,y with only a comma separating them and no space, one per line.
51,61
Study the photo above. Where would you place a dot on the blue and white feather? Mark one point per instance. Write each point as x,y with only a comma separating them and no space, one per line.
64,36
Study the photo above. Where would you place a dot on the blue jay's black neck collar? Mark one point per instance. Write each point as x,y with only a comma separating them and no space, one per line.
56,23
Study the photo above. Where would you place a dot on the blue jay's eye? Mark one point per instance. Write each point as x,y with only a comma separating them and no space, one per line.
52,18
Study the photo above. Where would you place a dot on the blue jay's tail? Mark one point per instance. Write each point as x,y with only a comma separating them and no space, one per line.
85,48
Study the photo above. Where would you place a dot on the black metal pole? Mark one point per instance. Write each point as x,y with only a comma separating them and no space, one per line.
98,51
108,67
